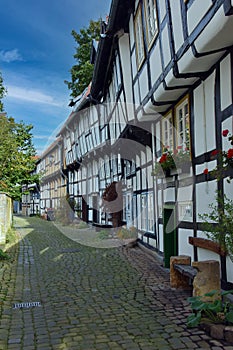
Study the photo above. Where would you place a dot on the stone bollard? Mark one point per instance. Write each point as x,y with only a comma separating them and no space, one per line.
176,279
207,279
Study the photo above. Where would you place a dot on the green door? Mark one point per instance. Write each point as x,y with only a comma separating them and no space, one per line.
169,234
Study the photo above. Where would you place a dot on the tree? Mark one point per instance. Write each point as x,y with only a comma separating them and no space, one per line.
81,73
2,92
17,156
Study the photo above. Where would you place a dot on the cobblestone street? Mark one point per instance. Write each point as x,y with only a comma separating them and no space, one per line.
89,298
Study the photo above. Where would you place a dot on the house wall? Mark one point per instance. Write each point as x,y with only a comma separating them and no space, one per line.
179,72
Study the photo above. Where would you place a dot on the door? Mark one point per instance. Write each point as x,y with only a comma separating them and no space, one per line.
169,234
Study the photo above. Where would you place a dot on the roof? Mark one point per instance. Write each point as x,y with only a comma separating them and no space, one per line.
118,19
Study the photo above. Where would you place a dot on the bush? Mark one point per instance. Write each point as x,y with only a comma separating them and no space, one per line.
3,255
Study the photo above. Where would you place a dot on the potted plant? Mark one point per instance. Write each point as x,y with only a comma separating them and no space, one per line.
181,158
170,161
164,164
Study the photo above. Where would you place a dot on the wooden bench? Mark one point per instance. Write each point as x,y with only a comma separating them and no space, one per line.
186,270
202,276
181,272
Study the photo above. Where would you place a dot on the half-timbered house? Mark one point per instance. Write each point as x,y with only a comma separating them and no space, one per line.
162,86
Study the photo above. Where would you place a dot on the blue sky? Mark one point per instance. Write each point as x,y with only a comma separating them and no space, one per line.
36,54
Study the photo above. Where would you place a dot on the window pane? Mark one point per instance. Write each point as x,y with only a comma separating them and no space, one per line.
151,20
139,37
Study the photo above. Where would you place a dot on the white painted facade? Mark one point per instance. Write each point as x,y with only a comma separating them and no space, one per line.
167,82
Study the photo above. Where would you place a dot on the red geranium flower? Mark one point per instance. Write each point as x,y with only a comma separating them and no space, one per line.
225,132
205,171
230,153
214,153
179,147
163,158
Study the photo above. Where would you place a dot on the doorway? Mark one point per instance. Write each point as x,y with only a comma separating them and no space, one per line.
170,239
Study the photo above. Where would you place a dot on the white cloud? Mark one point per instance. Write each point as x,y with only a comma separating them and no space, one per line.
40,137
34,96
10,56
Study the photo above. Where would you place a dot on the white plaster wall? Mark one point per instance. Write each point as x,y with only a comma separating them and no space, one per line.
228,189
152,242
185,194
172,81
158,137
155,63
188,63
144,179
134,64
205,195
184,248
131,32
136,95
162,95
169,195
161,248
204,254
216,33
148,154
166,46
209,165
196,12
210,112
204,116
126,67
225,82
143,82
161,9
150,178
177,24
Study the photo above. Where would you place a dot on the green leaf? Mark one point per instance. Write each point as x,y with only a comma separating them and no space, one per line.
229,316
216,306
211,293
194,319
227,292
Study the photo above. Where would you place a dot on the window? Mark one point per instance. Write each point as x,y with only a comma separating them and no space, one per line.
139,37
151,20
182,124
167,132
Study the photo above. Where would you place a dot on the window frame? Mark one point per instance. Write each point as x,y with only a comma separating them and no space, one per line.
147,21
166,142
181,106
139,37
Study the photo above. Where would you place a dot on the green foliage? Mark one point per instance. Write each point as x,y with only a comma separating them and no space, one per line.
219,310
218,224
17,156
11,237
103,234
171,160
125,233
81,72
3,255
2,92
82,225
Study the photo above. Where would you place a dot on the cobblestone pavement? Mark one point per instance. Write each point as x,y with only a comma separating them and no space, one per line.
89,298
